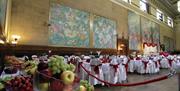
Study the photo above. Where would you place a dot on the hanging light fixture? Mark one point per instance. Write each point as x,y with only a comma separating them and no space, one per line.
178,6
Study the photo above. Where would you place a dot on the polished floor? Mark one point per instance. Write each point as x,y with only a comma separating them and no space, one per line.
170,84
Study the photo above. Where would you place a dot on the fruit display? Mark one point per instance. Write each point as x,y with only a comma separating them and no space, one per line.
56,74
52,75
20,83
85,86
65,71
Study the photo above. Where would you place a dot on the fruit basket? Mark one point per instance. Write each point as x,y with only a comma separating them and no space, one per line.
55,75
43,82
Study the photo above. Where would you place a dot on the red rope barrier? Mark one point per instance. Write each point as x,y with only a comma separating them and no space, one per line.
128,84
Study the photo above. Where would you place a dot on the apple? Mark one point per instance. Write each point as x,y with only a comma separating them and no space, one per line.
82,88
67,77
44,86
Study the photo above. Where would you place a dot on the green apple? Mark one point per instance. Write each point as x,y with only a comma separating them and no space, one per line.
43,86
67,77
82,88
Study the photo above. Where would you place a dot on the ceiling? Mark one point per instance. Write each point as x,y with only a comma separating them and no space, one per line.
169,6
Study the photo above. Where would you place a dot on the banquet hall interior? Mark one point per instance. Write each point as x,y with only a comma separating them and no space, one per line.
89,45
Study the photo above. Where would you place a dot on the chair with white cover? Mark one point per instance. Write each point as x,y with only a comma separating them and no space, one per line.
106,70
86,64
114,70
96,70
139,65
164,63
122,68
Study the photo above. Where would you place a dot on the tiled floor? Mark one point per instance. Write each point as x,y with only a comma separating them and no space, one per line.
170,84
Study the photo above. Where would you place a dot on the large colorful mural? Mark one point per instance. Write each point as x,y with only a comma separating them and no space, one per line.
69,27
104,33
134,31
3,6
146,30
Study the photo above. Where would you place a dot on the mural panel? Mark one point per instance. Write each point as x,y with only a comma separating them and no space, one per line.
69,27
134,31
169,44
155,33
146,30
104,33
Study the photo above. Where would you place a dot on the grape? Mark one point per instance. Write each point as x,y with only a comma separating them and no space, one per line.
54,68
57,65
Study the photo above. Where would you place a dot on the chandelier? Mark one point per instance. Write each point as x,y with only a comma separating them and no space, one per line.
178,6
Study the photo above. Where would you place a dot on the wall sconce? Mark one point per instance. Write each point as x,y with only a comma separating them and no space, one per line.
122,45
15,39
1,41
120,49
